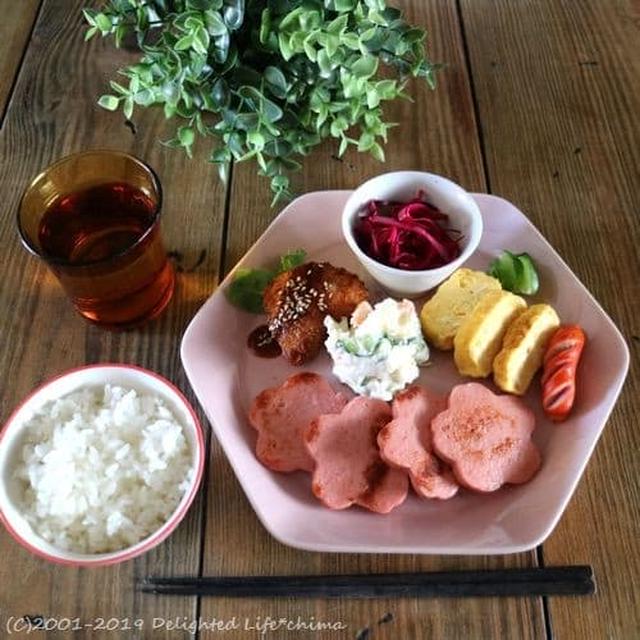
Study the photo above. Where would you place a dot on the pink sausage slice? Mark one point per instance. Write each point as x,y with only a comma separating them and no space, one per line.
486,438
405,443
349,469
282,414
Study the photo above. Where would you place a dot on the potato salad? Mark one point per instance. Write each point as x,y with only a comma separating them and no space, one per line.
378,351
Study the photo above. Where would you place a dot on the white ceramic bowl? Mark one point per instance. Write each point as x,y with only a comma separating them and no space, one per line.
11,439
449,197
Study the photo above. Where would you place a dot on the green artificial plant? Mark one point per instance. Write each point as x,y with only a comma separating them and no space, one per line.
265,79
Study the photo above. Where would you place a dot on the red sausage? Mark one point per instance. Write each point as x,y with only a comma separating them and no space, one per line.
559,371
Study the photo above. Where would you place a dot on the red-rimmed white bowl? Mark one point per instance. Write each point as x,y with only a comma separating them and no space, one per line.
12,436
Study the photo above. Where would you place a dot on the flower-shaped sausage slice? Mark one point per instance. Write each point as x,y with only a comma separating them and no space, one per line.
486,438
405,443
281,415
349,469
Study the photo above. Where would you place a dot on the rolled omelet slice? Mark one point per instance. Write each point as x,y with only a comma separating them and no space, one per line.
480,335
454,300
523,348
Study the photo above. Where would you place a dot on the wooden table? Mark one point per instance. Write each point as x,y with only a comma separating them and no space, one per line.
539,102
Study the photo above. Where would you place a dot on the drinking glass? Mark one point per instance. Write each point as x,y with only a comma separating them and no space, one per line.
94,219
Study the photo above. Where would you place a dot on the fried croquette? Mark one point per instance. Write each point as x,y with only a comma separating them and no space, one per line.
297,301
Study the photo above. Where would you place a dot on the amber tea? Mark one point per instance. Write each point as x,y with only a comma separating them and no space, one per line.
103,243
96,223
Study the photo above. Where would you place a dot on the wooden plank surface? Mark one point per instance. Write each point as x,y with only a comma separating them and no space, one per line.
558,93
558,87
52,113
15,28
437,133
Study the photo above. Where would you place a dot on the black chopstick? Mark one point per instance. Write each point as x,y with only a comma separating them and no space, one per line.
567,580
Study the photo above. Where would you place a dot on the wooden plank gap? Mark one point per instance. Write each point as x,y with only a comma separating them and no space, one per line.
209,436
203,521
4,108
222,270
474,98
545,601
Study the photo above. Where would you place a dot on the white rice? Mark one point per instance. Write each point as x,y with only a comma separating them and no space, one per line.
102,468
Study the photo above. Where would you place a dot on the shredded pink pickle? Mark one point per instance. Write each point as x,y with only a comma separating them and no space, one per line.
407,235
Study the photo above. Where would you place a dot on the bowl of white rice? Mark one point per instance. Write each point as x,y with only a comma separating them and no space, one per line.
99,465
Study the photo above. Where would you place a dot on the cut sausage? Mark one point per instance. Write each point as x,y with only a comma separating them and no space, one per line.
349,469
405,443
486,438
281,415
559,374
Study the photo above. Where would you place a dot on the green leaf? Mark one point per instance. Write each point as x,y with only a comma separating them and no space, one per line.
120,32
128,108
256,140
373,98
367,35
103,23
91,31
265,26
247,121
344,143
291,19
90,16
186,135
276,81
144,98
109,102
350,40
247,287
220,155
324,62
338,25
332,42
184,43
134,84
377,152
311,52
364,67
285,47
278,147
214,23
344,5
366,141
233,12
292,259
338,126
271,111
387,89
222,47
201,41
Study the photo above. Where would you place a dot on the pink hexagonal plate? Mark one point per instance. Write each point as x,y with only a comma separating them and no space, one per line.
226,377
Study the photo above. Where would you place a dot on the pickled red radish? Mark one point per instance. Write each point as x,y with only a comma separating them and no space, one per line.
407,235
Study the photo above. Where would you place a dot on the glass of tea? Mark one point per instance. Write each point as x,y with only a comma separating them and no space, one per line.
94,218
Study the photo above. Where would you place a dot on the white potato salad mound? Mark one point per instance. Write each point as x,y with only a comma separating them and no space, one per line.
378,353
102,468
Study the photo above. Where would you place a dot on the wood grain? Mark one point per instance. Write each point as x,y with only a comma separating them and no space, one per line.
437,133
15,29
558,93
558,89
53,112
